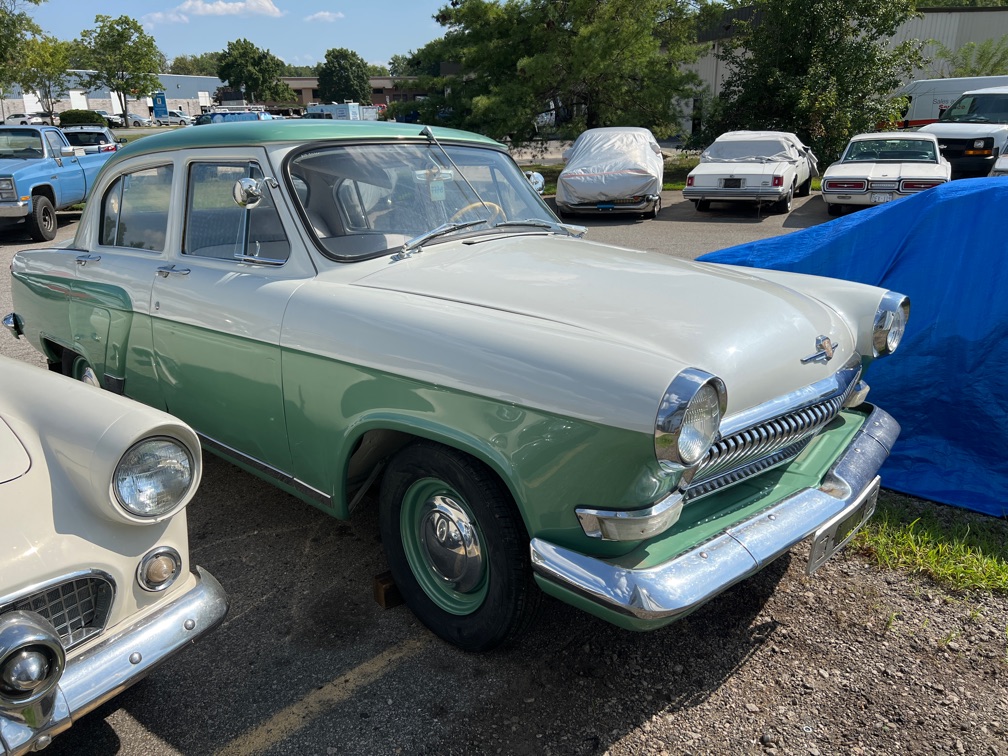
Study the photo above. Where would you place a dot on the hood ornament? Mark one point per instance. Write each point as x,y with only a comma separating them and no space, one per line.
825,350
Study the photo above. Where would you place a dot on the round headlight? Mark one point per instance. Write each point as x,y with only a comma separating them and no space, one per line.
153,477
688,417
890,323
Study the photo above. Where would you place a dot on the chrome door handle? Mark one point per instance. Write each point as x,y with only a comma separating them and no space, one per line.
166,270
85,259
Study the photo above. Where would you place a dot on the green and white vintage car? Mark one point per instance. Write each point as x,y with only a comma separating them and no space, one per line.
341,305
96,587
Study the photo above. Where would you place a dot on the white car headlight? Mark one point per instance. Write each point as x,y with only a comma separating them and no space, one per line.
689,417
153,477
890,323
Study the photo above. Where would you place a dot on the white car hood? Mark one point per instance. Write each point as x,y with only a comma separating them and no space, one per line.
14,459
966,130
670,313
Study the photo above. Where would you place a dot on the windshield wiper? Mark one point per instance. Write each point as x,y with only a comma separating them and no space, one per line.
414,244
567,228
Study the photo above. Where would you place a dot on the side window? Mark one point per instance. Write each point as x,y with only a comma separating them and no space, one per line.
135,209
55,143
217,227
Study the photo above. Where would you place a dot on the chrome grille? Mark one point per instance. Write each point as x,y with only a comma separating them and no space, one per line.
78,608
765,444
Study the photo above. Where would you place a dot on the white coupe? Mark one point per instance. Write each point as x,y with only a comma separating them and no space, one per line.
752,166
880,167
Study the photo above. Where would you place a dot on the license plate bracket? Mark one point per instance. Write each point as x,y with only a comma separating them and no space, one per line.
834,534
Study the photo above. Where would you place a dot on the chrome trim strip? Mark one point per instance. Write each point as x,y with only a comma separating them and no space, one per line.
634,524
676,587
268,470
752,194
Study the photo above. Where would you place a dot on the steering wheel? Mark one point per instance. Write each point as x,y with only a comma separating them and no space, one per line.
495,210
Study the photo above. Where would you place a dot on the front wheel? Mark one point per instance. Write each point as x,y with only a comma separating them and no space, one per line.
456,547
42,221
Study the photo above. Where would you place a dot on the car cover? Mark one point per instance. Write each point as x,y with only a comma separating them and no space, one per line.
947,384
609,164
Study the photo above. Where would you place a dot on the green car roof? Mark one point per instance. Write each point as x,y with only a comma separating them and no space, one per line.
244,133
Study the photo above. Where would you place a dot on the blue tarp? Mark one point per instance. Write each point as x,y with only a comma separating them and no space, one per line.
947,384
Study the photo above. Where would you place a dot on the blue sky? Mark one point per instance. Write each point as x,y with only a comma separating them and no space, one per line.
297,31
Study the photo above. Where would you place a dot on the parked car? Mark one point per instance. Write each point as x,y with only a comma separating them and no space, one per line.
770,167
1000,166
93,138
336,305
112,120
32,119
174,118
40,173
883,166
607,170
96,587
135,119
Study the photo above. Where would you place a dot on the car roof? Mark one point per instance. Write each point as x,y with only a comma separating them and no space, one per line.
921,135
280,131
988,90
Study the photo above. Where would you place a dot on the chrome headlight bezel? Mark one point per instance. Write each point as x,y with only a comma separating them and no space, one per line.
686,392
890,323
163,468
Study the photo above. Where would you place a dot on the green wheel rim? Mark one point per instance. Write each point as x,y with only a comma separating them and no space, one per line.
422,508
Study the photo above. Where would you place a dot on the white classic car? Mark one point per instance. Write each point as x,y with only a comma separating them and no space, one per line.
752,166
612,170
96,588
880,167
341,305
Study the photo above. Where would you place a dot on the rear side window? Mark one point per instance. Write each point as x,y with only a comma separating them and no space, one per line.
135,209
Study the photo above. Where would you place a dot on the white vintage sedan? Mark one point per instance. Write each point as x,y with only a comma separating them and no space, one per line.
96,588
345,305
763,167
881,167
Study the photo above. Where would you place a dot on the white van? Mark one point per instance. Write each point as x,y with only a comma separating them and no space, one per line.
930,97
973,131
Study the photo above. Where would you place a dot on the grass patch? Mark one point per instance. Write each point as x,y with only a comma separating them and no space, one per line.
957,549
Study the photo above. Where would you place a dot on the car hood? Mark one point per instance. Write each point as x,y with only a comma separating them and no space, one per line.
628,307
11,165
14,459
966,130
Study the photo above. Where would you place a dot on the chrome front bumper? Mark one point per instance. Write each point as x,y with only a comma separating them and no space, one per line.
678,586
14,209
117,661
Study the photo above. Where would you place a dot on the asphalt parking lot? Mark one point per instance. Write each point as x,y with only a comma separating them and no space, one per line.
307,662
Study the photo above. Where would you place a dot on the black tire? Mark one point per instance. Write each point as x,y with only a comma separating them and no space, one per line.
805,189
703,206
76,367
42,221
490,597
783,205
834,210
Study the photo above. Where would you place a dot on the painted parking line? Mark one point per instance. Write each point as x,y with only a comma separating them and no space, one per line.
289,720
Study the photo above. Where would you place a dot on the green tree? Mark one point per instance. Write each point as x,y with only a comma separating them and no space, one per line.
15,28
204,64
122,57
986,58
820,68
374,69
588,63
402,65
301,71
44,69
344,76
254,71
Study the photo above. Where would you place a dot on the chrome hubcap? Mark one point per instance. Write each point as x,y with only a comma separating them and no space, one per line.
90,377
450,543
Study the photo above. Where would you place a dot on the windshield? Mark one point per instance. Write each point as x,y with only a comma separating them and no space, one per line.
894,150
977,107
363,200
20,143
760,150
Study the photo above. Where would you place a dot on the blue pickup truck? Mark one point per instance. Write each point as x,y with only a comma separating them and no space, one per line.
40,173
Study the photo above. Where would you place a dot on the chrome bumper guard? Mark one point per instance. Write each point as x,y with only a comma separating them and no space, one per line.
117,661
680,585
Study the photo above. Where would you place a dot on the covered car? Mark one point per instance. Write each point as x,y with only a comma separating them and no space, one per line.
617,169
96,586
341,305
880,167
762,167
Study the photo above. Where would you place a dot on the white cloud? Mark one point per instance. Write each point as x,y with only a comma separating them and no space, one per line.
168,17
328,16
224,8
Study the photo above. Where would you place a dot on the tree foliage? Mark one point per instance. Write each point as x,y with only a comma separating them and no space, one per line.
343,76
204,64
45,69
122,57
986,58
403,65
254,71
15,28
820,68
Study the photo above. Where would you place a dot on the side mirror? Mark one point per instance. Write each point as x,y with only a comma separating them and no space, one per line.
248,192
121,140
536,179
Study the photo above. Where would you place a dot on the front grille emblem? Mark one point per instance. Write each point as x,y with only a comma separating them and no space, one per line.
825,349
